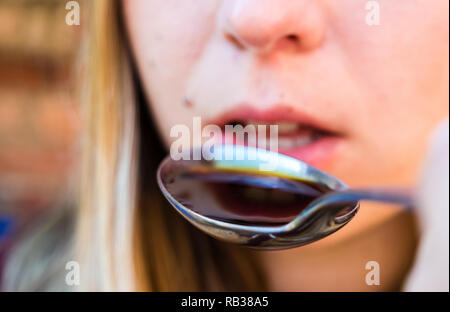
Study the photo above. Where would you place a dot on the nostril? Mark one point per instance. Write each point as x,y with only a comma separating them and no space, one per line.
234,41
292,37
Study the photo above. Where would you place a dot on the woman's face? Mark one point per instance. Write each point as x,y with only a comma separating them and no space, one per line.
376,90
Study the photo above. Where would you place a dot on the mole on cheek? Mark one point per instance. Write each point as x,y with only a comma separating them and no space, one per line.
188,103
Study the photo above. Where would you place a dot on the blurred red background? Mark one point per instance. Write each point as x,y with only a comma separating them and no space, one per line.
39,111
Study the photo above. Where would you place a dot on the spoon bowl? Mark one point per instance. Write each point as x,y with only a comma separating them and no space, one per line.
317,220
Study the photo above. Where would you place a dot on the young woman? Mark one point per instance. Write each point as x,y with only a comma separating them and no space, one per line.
374,92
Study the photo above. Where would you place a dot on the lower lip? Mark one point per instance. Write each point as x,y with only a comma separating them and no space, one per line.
318,154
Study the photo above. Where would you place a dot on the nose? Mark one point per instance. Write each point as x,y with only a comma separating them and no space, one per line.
264,25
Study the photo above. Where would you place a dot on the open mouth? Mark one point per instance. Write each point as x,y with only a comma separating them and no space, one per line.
290,135
298,135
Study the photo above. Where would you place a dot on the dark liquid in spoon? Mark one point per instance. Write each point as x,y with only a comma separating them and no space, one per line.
243,198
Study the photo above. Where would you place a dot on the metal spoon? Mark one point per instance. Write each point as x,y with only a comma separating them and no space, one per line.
322,217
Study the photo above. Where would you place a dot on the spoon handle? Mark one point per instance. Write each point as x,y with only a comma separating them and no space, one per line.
403,197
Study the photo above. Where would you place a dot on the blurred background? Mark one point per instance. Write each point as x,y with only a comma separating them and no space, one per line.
39,111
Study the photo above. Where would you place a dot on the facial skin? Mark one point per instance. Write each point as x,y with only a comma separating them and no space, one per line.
381,89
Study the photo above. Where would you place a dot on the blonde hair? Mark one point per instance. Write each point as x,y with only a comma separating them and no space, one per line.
124,235
128,238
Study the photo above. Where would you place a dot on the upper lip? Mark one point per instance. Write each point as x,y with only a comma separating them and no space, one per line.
275,114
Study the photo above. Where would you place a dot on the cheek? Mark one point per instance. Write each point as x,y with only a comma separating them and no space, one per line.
399,65
404,56
167,39
401,68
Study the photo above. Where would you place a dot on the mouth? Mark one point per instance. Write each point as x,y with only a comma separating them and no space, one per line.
298,135
291,135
